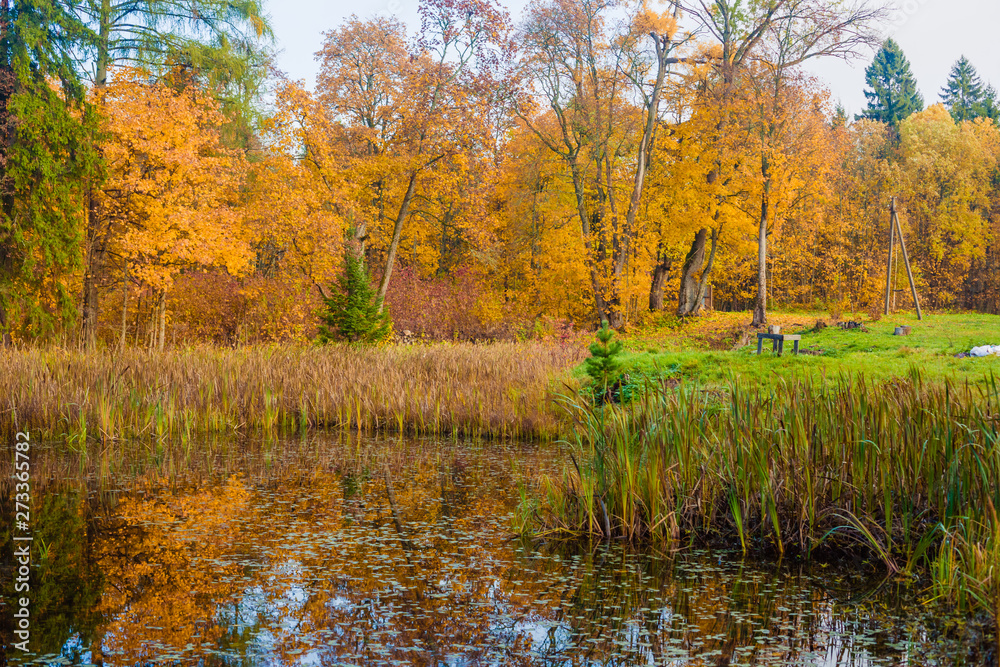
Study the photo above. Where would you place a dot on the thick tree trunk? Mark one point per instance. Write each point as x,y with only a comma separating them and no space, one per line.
693,283
613,313
687,299
760,306
703,281
660,271
357,237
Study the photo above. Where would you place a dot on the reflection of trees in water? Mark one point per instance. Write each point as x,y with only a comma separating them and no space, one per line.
404,556
65,585
169,571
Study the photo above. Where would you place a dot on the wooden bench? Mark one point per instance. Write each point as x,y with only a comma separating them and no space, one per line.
778,342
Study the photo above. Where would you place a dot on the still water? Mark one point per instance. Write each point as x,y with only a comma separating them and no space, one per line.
389,552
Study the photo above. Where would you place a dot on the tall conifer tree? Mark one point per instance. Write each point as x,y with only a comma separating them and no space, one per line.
892,90
965,95
44,159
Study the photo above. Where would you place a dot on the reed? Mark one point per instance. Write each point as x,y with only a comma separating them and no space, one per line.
497,390
907,472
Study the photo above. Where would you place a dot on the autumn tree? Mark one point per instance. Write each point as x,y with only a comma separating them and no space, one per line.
219,38
390,119
700,184
602,79
777,37
540,263
949,169
838,258
687,195
171,190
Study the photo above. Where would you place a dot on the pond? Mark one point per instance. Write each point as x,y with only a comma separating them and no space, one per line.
326,551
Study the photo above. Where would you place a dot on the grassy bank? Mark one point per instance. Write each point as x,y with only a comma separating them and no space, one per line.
499,390
907,472
714,348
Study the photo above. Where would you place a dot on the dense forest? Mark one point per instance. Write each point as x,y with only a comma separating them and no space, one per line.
592,160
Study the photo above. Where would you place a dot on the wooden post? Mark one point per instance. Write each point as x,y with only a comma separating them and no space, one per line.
906,259
892,243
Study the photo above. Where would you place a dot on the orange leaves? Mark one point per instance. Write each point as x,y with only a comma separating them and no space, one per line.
647,20
172,186
365,65
396,140
162,592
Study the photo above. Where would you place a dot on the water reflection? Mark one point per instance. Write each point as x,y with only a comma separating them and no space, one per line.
400,553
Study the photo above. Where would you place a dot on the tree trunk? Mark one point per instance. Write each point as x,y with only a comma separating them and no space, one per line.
161,326
357,237
760,306
687,299
97,244
97,238
137,321
397,232
613,312
662,44
5,337
124,305
660,271
703,281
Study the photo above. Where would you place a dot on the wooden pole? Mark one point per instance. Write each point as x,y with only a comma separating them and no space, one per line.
906,259
894,291
892,243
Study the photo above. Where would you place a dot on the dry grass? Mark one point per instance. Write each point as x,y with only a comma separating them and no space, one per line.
498,390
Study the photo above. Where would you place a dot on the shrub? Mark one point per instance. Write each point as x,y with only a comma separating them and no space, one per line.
454,306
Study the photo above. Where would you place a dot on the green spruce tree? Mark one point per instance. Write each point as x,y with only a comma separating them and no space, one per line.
45,160
892,90
963,94
839,116
354,312
989,107
603,365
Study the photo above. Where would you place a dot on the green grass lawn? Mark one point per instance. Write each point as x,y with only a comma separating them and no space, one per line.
708,350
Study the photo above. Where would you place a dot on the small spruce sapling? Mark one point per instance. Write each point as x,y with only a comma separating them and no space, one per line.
352,311
603,365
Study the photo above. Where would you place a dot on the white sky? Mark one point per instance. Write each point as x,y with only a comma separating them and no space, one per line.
932,33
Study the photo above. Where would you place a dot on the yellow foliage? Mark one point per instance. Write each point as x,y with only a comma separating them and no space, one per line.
172,186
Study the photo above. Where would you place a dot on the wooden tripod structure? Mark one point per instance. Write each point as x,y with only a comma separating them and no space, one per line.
893,229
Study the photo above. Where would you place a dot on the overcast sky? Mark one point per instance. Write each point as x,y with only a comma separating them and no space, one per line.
932,33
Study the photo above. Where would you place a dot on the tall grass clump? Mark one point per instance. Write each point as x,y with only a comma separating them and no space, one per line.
905,471
497,390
